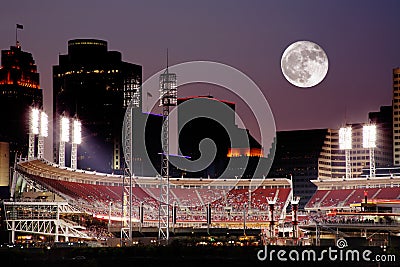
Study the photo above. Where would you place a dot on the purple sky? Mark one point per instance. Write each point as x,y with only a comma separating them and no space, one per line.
361,39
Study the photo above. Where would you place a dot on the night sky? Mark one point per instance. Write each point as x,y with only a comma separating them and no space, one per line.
361,39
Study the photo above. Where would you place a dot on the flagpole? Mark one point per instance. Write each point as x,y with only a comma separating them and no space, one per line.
17,26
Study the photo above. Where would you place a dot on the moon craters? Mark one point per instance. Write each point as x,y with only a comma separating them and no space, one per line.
304,64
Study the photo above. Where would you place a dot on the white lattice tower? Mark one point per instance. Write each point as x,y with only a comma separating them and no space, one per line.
168,97
74,160
61,154
348,163
31,148
126,231
372,162
40,147
64,138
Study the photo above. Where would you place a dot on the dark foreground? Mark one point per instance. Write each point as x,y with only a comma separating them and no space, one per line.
149,256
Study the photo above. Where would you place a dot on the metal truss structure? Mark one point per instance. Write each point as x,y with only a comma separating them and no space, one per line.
372,169
74,156
42,218
132,93
168,98
31,148
40,147
348,164
61,154
126,229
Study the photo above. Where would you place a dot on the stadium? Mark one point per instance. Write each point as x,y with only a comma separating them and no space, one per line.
57,204
83,194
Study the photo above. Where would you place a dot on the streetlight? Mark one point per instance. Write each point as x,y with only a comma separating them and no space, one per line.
369,141
346,145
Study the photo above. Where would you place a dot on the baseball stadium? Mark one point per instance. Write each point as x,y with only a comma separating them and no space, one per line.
57,204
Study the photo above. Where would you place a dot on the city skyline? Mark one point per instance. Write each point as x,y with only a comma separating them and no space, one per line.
359,39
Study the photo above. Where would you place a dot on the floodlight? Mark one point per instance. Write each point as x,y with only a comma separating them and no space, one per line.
76,132
34,121
44,124
168,91
345,138
369,136
64,129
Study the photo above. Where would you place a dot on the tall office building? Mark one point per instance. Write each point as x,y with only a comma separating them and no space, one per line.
94,85
237,152
331,162
297,154
19,90
383,119
396,117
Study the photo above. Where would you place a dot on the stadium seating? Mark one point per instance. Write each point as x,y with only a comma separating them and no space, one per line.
342,198
83,190
389,193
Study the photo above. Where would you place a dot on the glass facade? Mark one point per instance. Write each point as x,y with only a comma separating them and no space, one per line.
94,85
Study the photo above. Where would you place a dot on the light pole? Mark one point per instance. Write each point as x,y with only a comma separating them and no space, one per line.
44,132
33,131
346,145
76,140
369,141
64,137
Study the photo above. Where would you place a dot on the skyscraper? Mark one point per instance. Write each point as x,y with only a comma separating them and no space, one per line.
383,119
237,152
297,155
396,117
94,85
19,90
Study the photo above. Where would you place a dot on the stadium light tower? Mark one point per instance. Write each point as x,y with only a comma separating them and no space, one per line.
76,140
168,98
44,132
33,131
64,138
346,145
369,141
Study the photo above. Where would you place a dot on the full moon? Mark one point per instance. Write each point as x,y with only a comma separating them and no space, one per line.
304,64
